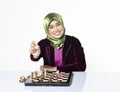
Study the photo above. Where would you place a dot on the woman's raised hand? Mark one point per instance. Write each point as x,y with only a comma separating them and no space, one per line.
34,49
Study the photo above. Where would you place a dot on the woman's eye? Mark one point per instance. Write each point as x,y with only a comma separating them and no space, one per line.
50,27
58,24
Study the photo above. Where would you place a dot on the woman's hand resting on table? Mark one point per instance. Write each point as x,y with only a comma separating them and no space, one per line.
48,68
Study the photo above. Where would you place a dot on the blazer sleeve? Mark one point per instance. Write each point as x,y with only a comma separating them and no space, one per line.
34,59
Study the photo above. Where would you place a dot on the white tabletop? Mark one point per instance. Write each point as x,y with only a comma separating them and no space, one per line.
82,82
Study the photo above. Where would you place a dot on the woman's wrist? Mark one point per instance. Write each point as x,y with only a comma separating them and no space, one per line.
55,68
34,56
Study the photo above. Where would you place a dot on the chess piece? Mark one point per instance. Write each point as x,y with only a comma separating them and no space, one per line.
45,73
22,79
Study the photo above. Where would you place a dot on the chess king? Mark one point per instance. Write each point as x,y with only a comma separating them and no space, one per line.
59,51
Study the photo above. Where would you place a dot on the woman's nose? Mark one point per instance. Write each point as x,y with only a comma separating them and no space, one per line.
55,29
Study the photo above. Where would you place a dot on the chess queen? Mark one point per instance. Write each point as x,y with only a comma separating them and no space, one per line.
59,51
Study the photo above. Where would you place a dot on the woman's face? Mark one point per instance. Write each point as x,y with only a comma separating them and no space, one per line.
56,29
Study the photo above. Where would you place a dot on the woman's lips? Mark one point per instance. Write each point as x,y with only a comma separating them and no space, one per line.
57,33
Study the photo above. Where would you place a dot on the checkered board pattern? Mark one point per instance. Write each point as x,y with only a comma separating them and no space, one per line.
49,79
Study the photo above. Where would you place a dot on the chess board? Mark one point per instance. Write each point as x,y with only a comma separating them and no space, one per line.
49,79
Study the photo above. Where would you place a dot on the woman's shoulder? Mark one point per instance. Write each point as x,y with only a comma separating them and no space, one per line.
44,41
71,38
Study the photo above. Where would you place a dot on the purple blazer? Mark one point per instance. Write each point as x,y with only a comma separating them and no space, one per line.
73,54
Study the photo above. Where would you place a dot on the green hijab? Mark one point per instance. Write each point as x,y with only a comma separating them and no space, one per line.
55,42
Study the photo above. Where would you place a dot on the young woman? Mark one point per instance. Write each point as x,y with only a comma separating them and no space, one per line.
59,51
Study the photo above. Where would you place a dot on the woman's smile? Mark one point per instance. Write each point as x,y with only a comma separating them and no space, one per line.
57,33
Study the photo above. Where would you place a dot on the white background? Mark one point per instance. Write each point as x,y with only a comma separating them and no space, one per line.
96,23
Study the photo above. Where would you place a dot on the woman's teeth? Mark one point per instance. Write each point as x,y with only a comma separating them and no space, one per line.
57,33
